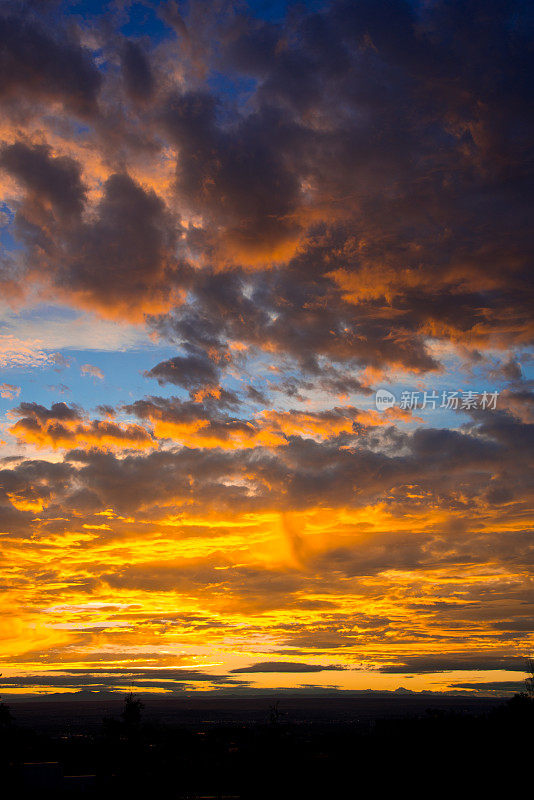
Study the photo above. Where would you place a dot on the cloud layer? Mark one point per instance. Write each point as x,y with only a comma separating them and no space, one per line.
298,211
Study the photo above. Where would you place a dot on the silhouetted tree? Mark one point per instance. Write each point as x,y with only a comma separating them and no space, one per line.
275,715
131,713
529,682
521,705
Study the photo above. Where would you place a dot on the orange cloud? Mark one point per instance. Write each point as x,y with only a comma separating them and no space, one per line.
75,433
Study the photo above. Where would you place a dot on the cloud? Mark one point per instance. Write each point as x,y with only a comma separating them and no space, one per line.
122,258
64,426
194,371
519,404
16,353
9,391
60,361
57,412
55,330
56,180
457,661
115,679
92,371
46,66
59,388
286,666
289,213
119,261
205,424
236,177
293,226
137,73
492,688
422,467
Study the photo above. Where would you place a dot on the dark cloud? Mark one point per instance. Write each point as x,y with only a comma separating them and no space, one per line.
300,473
137,72
256,396
210,420
45,65
118,679
286,666
458,661
519,403
341,383
26,488
510,370
193,371
58,412
235,175
106,410
498,688
57,180
122,257
296,314
121,260
364,194
66,426
405,146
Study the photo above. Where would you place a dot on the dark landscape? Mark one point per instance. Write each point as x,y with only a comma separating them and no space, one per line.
266,747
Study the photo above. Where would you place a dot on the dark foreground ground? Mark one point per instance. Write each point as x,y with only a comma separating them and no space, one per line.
320,747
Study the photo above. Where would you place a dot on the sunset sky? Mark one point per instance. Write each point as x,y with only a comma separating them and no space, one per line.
224,226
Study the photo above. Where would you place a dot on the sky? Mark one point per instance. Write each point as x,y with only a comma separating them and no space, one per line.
224,228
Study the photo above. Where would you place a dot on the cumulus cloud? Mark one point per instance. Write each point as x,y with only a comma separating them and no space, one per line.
119,261
362,245
54,179
193,371
64,426
47,65
207,424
